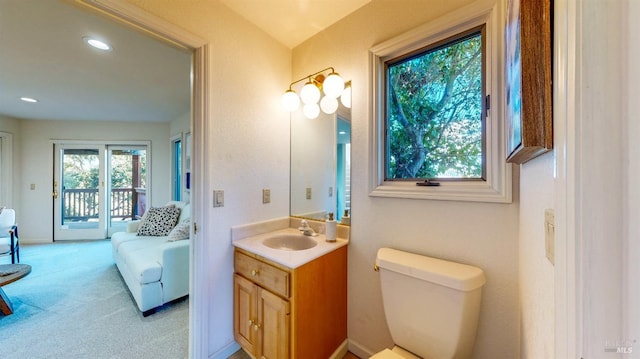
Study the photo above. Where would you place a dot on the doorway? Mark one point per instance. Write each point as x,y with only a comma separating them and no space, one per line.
198,293
98,188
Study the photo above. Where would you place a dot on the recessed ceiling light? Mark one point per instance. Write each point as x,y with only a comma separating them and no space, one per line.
100,45
28,99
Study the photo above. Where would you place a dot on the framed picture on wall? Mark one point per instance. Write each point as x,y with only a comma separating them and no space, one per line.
529,122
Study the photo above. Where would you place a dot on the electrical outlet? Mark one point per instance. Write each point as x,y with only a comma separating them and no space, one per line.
218,198
308,192
549,234
330,191
266,195
33,186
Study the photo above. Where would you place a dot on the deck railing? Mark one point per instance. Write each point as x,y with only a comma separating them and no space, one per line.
83,204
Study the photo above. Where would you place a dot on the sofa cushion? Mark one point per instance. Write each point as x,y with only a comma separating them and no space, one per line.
120,237
143,258
159,221
144,269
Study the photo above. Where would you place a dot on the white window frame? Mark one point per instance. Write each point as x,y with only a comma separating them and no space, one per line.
497,185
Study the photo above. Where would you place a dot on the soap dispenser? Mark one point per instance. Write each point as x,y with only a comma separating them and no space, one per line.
346,220
330,228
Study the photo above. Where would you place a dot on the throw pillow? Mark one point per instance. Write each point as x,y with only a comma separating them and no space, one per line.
180,231
159,221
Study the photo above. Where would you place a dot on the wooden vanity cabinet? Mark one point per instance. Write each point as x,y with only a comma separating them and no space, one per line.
281,313
261,320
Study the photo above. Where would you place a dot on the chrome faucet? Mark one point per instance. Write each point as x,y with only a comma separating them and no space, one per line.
306,229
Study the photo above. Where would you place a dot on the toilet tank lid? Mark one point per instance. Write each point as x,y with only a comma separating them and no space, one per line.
458,276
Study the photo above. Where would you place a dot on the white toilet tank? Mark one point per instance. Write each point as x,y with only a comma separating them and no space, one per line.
431,305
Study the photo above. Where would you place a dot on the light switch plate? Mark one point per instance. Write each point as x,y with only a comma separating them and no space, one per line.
266,195
218,198
549,234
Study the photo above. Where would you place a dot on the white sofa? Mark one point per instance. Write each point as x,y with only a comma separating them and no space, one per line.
155,269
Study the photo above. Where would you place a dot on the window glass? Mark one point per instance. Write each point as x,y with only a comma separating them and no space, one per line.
434,111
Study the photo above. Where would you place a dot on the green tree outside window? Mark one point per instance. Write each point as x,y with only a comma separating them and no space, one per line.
435,112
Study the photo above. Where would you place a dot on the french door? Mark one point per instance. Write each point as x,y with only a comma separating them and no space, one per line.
97,188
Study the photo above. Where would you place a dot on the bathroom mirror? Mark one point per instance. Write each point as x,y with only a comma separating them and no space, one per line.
321,164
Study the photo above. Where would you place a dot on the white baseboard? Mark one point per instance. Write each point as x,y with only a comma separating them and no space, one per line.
36,241
359,350
341,351
226,351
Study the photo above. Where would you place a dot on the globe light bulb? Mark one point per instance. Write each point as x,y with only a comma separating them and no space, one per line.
290,101
310,93
333,85
311,110
329,105
345,98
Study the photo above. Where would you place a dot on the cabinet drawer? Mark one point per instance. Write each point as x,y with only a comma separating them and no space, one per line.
263,274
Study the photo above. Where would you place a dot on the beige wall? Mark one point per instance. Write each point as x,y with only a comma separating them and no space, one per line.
482,234
536,273
180,125
36,163
247,143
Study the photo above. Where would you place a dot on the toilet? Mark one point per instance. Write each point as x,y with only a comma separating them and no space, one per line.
431,305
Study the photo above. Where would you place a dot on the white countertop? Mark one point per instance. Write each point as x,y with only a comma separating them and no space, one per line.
287,258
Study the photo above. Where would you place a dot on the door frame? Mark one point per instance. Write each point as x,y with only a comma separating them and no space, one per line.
107,185
58,192
133,16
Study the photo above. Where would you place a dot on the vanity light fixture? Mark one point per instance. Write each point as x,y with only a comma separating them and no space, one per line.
98,44
332,85
345,98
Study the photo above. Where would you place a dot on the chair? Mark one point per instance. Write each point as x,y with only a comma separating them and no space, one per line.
9,244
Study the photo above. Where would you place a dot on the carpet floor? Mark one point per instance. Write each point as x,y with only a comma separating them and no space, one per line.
75,304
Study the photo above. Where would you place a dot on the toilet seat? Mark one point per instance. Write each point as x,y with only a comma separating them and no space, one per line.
396,353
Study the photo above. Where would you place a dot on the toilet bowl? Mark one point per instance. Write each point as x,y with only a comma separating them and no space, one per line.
431,305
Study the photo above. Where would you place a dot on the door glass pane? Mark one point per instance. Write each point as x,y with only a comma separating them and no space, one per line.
128,169
80,204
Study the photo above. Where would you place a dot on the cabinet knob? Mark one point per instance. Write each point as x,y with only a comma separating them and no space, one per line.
255,272
250,322
256,327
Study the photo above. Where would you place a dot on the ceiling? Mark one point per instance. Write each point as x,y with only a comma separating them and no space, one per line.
293,21
45,57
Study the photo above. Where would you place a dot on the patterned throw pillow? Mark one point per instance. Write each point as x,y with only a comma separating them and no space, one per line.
159,221
180,231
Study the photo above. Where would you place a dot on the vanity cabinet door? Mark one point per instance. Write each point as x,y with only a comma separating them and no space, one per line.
245,315
274,314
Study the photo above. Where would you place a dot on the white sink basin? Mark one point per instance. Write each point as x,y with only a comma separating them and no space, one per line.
290,242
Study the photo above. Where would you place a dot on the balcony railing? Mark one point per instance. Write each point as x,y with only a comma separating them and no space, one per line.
83,204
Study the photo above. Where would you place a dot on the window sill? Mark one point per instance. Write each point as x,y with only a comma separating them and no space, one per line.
466,191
